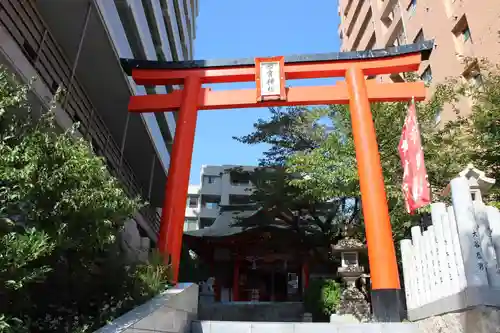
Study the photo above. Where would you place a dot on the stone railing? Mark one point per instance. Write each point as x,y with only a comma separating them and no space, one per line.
171,311
453,266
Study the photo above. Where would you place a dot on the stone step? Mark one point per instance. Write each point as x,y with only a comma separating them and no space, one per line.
204,326
255,312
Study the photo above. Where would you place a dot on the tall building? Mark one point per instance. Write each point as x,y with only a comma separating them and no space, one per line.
460,28
220,185
76,46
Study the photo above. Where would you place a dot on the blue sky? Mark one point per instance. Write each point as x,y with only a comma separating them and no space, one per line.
252,28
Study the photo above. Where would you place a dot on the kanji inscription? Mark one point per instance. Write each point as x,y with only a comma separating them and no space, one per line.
270,81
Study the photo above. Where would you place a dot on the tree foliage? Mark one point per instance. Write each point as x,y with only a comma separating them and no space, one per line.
314,146
316,224
483,125
61,212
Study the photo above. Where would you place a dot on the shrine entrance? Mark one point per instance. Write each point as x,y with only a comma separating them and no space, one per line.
262,263
270,75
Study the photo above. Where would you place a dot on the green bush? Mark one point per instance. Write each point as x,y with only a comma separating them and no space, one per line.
152,277
61,212
322,298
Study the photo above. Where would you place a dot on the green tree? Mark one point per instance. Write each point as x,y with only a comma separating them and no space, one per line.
61,212
320,151
482,128
317,221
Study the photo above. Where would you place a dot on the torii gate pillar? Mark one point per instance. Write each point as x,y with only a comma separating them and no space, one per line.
356,91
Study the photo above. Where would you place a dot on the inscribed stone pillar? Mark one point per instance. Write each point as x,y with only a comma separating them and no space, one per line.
408,272
428,267
475,271
422,281
435,270
488,251
457,250
494,221
448,276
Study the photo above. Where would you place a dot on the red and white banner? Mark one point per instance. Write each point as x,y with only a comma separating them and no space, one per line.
415,183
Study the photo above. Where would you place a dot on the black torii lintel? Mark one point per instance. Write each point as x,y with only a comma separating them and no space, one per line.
425,48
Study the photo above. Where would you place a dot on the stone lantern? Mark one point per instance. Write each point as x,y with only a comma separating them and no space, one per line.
349,270
352,301
479,184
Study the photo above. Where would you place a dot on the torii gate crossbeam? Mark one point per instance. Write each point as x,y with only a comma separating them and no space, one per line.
355,91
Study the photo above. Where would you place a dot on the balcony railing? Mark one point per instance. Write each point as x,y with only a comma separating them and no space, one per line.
152,215
25,25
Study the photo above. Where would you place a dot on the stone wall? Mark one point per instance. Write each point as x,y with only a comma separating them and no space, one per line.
172,311
134,247
477,320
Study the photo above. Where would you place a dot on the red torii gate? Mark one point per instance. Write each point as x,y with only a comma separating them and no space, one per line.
270,74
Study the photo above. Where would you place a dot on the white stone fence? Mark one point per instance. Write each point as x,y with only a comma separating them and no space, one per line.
454,264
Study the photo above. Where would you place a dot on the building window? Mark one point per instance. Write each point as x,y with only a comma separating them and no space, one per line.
372,42
206,222
29,52
239,178
53,87
477,80
210,202
192,202
400,37
190,224
462,31
427,75
211,205
412,7
397,78
150,90
420,37
209,179
235,199
466,34
473,75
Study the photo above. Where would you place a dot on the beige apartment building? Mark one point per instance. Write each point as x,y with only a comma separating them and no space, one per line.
460,28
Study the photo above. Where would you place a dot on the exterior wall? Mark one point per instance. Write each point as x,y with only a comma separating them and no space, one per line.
192,210
12,57
216,189
222,185
394,22
31,49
